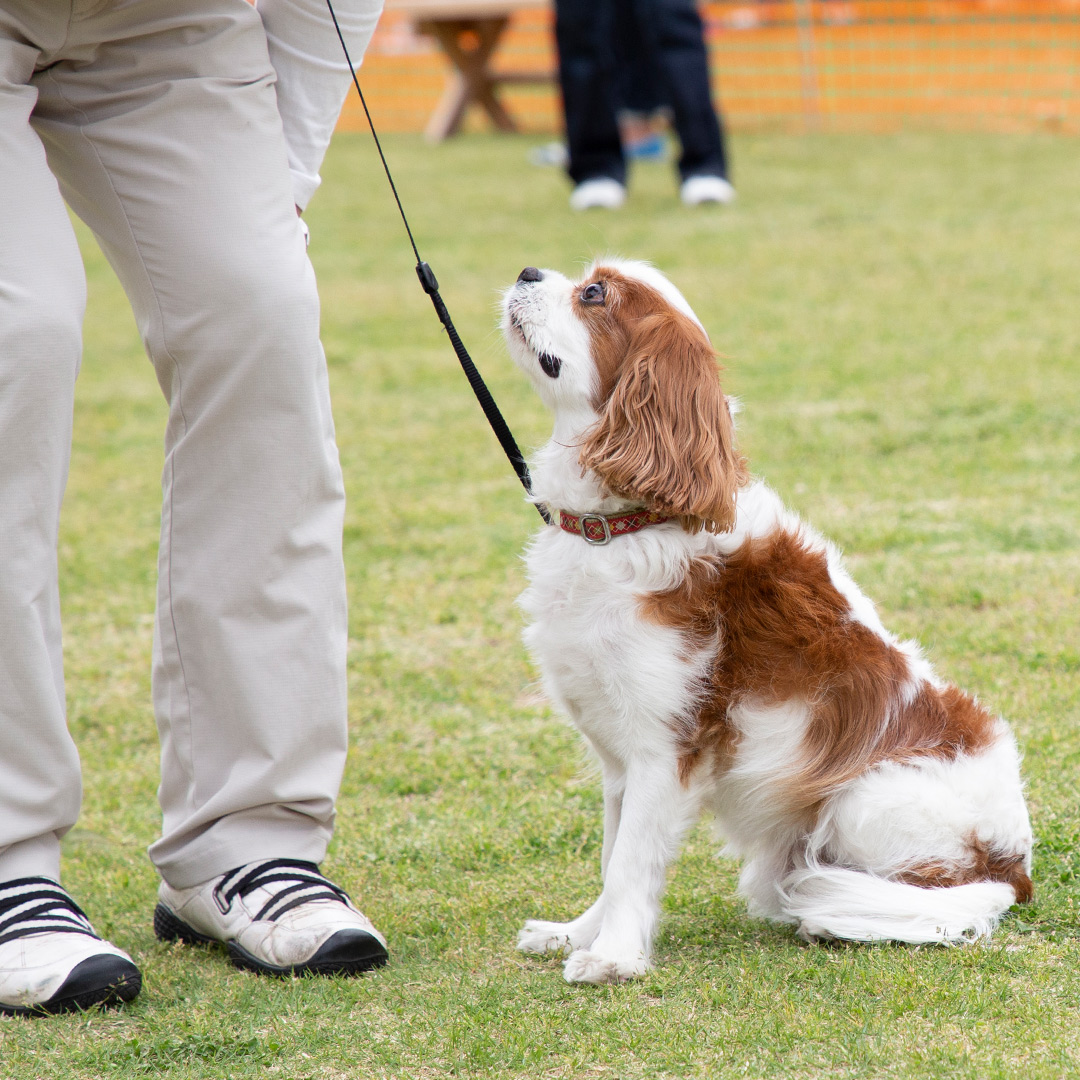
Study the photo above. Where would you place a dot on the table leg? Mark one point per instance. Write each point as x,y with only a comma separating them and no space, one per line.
468,44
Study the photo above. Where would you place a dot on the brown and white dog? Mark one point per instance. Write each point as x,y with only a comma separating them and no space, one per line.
715,654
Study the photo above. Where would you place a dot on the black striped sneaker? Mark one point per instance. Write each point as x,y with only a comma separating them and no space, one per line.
276,917
51,960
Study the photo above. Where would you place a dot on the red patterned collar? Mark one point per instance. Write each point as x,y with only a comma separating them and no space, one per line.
600,528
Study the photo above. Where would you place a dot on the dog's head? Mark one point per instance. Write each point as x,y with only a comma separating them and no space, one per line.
621,357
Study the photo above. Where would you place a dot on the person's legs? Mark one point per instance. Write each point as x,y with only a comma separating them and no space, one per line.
584,36
160,121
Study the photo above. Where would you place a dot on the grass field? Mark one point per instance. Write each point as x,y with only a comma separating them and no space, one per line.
900,318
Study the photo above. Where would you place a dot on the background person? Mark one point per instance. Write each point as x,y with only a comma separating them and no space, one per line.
599,42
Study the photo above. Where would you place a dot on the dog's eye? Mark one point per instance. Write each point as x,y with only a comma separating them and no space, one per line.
594,293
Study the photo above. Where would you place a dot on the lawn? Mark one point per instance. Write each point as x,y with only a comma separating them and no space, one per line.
900,318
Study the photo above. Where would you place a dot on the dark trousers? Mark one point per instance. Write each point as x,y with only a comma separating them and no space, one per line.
593,37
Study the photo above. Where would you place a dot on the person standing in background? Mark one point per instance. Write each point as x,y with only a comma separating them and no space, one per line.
601,43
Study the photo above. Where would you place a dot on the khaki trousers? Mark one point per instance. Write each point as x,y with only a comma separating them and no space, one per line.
157,122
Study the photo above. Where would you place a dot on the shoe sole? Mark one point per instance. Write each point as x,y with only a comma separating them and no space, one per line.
348,952
169,927
99,982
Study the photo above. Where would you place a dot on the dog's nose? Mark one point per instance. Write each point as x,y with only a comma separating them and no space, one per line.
530,273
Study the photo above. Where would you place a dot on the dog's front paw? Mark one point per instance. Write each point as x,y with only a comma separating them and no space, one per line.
584,966
543,937
537,936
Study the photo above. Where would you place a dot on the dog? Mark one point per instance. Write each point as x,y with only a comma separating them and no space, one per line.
716,655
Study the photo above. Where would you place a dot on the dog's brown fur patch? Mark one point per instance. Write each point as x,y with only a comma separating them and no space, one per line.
785,633
985,864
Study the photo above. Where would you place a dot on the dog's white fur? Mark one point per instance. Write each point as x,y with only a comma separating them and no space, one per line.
631,686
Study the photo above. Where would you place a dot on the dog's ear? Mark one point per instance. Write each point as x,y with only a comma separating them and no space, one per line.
665,434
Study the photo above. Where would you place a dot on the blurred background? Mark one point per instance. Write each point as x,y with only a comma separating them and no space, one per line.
777,65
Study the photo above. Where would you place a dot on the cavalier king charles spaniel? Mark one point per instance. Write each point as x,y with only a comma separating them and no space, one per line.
716,655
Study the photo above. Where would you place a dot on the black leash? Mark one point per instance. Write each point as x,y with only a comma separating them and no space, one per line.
430,285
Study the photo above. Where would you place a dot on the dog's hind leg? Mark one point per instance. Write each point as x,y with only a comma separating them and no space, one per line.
539,936
655,811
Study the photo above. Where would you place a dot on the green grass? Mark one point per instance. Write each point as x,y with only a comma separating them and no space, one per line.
900,318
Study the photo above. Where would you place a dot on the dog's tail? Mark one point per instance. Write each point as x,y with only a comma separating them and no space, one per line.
832,902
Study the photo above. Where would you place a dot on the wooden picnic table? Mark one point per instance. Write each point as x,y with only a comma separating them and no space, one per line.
468,32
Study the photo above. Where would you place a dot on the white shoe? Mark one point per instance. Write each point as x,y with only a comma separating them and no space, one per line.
600,193
697,190
277,917
51,960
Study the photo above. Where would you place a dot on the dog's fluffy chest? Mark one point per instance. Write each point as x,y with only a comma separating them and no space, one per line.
625,681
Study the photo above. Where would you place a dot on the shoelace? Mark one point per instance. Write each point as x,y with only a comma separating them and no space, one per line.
37,905
302,883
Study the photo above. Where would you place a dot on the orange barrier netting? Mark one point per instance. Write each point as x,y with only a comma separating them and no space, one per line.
798,65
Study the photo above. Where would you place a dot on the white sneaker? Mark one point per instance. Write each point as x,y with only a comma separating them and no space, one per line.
51,960
277,917
600,193
697,190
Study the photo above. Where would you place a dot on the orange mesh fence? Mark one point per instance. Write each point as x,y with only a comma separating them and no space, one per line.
796,65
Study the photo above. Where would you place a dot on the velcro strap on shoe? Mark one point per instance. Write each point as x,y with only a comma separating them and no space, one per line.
305,884
38,905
